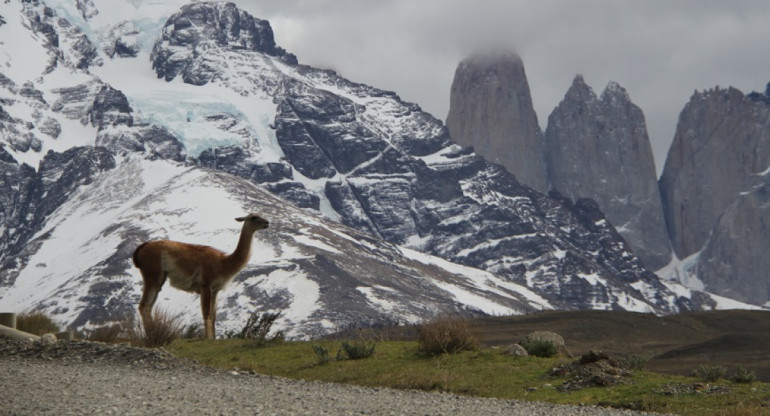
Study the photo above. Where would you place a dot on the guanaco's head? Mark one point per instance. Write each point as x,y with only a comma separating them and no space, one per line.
254,222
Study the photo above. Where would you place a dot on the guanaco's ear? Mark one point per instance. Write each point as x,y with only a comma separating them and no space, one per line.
241,219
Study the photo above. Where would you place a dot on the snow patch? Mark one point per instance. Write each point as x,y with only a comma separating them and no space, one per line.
313,241
480,279
682,271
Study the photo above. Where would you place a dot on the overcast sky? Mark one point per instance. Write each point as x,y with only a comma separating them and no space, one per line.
661,51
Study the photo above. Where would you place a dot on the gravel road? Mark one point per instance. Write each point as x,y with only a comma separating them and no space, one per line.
103,379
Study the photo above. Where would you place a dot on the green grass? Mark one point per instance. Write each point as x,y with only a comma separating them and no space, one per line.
484,373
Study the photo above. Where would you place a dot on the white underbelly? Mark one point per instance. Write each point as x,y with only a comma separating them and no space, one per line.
189,282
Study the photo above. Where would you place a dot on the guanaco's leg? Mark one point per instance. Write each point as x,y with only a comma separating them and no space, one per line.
149,296
214,312
153,277
206,303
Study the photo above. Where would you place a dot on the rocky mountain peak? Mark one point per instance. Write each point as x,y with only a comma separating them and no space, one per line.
721,145
198,24
758,96
497,66
491,109
65,43
579,91
614,94
715,191
599,149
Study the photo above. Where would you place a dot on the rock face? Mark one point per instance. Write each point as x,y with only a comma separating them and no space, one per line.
721,146
710,200
31,196
734,262
65,43
200,26
491,110
598,148
714,189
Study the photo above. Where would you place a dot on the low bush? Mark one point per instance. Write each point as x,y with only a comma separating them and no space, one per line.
359,349
742,375
321,353
633,361
540,348
161,331
193,331
107,333
709,373
446,335
37,323
257,328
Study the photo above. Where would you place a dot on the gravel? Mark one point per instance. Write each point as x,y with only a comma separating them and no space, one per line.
80,377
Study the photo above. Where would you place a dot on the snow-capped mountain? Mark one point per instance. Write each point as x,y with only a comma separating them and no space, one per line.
322,275
125,121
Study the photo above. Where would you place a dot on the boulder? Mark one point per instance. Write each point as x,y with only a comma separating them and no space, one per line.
515,350
14,333
551,337
46,340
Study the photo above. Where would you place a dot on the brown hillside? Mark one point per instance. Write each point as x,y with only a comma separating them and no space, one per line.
676,343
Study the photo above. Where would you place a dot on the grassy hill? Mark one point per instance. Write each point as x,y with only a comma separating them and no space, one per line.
675,346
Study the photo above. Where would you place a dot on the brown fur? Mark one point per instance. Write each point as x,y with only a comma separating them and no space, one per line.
193,268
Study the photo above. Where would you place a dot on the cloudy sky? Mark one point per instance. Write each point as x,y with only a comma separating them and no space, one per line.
661,51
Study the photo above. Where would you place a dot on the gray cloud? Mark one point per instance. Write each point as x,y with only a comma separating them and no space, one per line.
660,51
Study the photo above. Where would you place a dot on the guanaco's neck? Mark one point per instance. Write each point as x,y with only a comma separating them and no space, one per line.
238,258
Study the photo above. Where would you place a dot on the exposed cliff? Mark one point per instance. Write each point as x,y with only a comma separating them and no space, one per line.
714,189
598,148
721,147
735,261
491,110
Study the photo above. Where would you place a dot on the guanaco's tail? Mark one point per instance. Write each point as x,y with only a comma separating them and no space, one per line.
136,255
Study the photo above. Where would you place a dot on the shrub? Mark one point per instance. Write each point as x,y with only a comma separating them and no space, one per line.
193,331
162,330
743,375
257,328
36,323
540,347
359,349
107,333
446,335
322,354
709,373
633,361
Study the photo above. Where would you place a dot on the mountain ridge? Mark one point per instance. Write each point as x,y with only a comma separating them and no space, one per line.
381,167
700,223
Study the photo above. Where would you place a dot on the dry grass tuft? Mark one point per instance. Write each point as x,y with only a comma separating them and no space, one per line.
446,335
108,333
164,329
36,323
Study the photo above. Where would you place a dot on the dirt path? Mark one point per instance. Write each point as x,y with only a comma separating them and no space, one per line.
92,378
